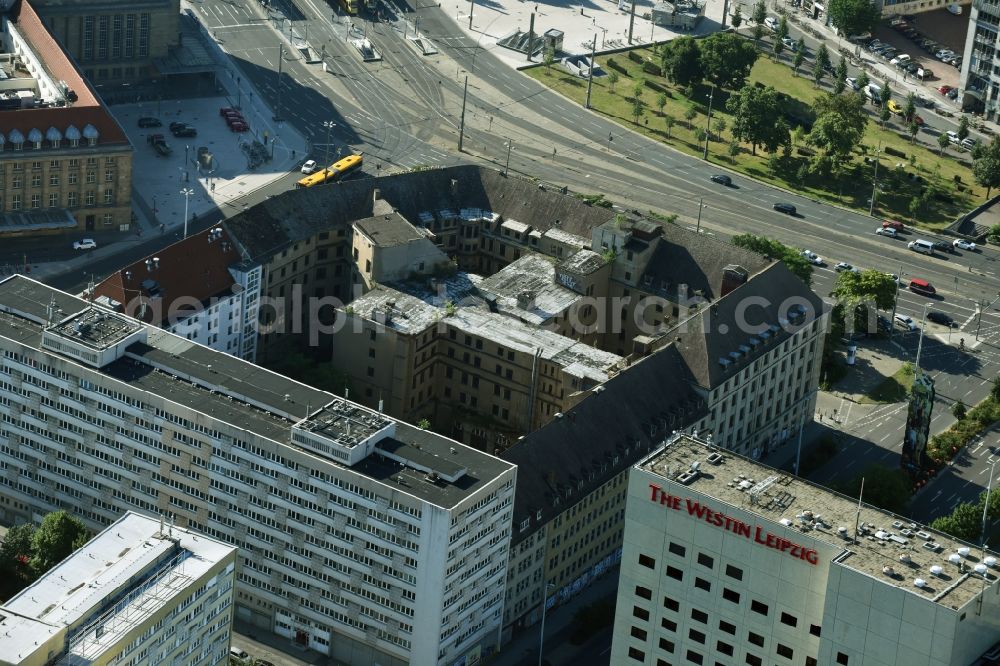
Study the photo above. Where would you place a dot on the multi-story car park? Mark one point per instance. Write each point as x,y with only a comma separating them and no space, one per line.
65,162
729,561
360,536
142,591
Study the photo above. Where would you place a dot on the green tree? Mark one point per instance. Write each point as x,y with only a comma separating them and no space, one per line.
986,167
737,18
720,126
767,247
915,205
669,121
782,28
884,114
886,94
913,129
727,59
884,487
689,113
661,101
638,109
823,57
995,389
910,108
870,287
681,61
424,424
853,17
612,80
777,47
799,57
758,34
943,142
965,522
840,81
550,57
759,12
958,410
839,126
818,73
863,81
15,553
58,536
963,128
637,89
733,150
754,111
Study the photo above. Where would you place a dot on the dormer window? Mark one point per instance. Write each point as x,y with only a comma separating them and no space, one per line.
17,139
35,138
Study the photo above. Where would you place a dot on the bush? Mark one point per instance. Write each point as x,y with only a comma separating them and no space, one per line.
652,68
805,152
615,66
634,57
889,150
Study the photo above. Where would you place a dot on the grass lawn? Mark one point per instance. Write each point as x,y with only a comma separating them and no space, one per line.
892,389
902,176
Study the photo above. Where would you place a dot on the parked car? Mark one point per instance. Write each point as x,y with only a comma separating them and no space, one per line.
772,23
964,245
309,167
227,109
722,179
944,90
905,321
952,94
789,42
945,53
85,244
174,126
893,224
953,136
940,318
147,121
884,324
786,208
852,83
895,107
924,73
187,131
886,231
954,8
942,246
813,258
969,143
238,126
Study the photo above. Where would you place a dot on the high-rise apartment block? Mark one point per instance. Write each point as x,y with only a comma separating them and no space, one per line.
979,82
360,536
140,592
729,561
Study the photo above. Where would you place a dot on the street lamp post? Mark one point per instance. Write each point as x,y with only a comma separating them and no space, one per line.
981,308
878,153
541,632
329,125
892,317
187,150
708,124
510,145
187,192
701,204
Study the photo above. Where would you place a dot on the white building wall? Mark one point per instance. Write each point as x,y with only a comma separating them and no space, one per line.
315,538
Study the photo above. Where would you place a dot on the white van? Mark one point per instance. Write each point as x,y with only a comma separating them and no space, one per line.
238,653
874,93
921,246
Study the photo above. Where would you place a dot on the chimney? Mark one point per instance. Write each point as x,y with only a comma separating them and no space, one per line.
526,300
733,276
376,194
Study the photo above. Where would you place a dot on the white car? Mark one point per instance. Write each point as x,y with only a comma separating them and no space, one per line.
955,8
886,231
852,83
844,266
309,167
85,244
906,322
945,54
964,245
771,23
953,136
812,258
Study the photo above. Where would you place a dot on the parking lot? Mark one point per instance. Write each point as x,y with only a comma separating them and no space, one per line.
947,30
216,164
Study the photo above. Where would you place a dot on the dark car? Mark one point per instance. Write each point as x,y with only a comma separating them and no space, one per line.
941,246
185,132
174,126
722,179
940,318
786,208
884,324
149,122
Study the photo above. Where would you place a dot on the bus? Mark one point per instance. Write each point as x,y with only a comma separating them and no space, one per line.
350,6
332,173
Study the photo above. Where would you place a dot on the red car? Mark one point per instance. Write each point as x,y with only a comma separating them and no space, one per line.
944,90
234,118
892,224
226,110
238,126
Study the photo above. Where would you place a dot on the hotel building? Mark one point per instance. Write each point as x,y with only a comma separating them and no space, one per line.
360,536
139,592
726,560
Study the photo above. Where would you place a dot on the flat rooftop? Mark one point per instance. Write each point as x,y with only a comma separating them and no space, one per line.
345,422
95,328
114,565
531,277
239,393
908,549
410,315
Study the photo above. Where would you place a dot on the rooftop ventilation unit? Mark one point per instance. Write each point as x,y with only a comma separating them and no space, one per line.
920,582
786,522
981,569
904,558
963,551
936,570
687,477
990,561
888,571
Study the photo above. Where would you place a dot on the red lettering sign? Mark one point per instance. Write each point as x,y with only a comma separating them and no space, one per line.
757,533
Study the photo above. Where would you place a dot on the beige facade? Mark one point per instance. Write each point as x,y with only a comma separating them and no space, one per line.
114,43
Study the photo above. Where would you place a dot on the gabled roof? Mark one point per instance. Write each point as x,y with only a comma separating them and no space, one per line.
609,430
755,316
196,268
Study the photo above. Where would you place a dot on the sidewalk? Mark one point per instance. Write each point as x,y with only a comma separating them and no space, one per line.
523,647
